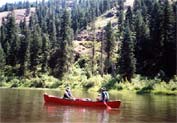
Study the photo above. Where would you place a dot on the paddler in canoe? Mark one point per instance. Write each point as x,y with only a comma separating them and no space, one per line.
103,96
68,94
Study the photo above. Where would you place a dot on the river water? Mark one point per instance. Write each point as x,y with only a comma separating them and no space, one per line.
27,106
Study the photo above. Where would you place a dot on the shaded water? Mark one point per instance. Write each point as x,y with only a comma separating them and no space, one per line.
17,105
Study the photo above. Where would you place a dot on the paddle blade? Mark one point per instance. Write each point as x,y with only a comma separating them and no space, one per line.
107,106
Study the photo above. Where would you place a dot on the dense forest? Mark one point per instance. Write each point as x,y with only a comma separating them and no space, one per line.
143,42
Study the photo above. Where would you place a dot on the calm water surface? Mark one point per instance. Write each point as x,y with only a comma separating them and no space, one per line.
22,106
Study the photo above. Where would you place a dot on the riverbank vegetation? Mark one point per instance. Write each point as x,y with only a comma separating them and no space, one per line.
59,44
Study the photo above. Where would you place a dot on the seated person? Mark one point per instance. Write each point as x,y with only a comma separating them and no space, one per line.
104,96
68,94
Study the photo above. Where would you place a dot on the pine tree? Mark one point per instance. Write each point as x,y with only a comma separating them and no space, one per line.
2,56
102,53
127,61
24,49
45,52
155,51
142,38
121,23
52,33
168,28
129,18
93,47
35,48
109,47
12,38
137,5
4,43
121,5
65,55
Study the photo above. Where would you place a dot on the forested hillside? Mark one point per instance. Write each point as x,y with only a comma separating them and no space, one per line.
140,41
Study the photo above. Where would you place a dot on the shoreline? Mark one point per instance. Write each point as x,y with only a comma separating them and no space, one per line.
154,92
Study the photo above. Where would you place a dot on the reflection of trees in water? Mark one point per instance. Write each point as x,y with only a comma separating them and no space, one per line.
70,114
103,117
148,108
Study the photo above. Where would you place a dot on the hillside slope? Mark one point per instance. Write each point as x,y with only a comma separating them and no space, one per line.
85,37
20,14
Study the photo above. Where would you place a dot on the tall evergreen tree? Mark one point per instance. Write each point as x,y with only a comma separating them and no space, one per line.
4,42
109,47
52,33
142,37
12,38
93,47
121,5
24,49
121,24
2,56
137,5
65,55
127,61
35,48
168,28
45,52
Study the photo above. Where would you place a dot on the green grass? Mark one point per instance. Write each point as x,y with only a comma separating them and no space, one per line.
82,79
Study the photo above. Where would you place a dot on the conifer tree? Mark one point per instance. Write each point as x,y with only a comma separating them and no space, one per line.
2,56
24,49
12,38
52,33
45,50
109,47
142,38
65,55
4,42
35,48
168,28
153,63
127,61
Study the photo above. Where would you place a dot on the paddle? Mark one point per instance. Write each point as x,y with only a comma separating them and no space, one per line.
107,106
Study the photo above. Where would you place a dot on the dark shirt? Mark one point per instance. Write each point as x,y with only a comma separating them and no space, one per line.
67,94
104,96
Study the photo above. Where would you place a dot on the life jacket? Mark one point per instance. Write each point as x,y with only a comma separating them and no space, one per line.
104,96
68,95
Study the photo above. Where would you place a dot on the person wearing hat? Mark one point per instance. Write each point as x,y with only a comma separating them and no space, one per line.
68,94
104,96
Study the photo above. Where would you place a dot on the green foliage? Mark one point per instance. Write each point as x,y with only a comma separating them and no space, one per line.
37,83
127,60
2,56
35,48
45,52
30,57
24,49
88,85
109,47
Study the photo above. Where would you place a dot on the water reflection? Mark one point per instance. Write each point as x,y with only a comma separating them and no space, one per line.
70,114
27,106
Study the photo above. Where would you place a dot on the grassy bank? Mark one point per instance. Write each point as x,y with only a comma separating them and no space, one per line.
78,79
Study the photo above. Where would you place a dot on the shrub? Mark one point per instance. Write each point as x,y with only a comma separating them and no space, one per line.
88,85
56,84
37,83
147,89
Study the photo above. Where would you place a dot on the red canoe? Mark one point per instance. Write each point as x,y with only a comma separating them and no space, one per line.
79,102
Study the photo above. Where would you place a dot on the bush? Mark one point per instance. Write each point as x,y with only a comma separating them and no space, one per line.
146,89
56,84
37,83
118,86
112,83
88,85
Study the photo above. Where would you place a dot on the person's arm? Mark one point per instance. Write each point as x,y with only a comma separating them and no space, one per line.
71,96
102,97
66,93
